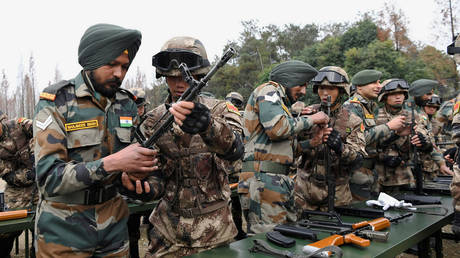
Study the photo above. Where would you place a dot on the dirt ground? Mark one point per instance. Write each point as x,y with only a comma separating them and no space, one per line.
450,248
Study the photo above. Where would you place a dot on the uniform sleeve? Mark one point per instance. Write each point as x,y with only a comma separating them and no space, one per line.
456,129
355,143
274,117
56,174
224,128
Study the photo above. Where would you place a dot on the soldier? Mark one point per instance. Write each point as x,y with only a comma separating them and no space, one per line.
141,102
236,99
17,169
363,180
82,129
394,151
193,213
346,142
444,117
455,186
270,130
421,91
434,161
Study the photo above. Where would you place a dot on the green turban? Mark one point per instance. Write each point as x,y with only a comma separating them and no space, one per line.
103,43
292,73
421,87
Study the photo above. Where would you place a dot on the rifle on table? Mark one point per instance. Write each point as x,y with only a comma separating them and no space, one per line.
189,95
416,163
351,235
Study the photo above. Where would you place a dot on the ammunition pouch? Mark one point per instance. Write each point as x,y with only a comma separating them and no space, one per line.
92,196
197,211
265,166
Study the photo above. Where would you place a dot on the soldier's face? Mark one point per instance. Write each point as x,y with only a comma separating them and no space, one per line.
430,110
177,86
427,96
108,78
326,90
371,90
395,99
297,92
140,110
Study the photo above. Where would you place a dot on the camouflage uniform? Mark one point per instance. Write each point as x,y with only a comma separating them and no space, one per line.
270,130
444,117
16,168
74,128
193,213
363,180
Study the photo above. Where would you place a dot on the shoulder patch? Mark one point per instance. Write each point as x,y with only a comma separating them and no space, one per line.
47,96
355,100
49,93
21,119
456,107
362,127
232,108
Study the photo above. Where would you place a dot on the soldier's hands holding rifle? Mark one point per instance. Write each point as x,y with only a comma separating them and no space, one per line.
396,123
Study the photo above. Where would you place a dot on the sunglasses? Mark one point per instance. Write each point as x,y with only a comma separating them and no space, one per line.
171,59
332,76
395,84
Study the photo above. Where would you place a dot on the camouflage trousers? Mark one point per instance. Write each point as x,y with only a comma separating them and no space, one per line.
266,200
455,187
160,247
309,195
65,230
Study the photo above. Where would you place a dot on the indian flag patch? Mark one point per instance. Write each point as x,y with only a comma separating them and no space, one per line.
126,121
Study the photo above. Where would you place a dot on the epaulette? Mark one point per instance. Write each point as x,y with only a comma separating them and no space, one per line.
232,108
21,119
49,93
130,94
355,100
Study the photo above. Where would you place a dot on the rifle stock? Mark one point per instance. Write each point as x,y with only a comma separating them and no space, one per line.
17,214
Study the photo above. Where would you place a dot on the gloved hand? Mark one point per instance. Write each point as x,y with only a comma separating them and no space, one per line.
386,201
144,197
197,121
451,152
427,146
392,161
456,225
335,142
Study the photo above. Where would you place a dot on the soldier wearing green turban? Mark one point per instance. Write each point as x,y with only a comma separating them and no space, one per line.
271,146
83,151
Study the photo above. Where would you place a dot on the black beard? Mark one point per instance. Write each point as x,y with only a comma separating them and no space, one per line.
107,92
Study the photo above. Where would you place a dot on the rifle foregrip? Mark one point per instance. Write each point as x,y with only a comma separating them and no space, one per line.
379,224
360,224
354,239
7,215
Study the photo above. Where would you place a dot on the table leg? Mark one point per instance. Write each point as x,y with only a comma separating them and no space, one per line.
26,243
423,248
438,244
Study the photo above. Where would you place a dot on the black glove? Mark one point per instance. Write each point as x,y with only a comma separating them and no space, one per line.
392,161
335,142
451,152
456,225
30,175
427,146
197,121
145,197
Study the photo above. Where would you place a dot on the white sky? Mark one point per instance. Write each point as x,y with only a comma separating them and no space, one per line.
51,29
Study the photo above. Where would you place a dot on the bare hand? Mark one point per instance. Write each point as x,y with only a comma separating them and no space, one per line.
317,137
449,159
446,170
396,123
416,141
307,111
180,110
135,160
128,183
319,118
405,131
326,132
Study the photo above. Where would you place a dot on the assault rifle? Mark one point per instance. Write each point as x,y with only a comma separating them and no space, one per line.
5,214
416,163
189,95
330,177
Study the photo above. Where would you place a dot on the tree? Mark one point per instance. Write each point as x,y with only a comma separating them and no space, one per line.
449,11
57,75
5,85
393,24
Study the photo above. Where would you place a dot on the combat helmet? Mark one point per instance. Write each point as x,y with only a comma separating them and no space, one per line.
140,97
434,101
179,50
236,99
391,86
332,76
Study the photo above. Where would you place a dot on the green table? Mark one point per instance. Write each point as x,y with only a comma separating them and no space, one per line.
407,233
28,223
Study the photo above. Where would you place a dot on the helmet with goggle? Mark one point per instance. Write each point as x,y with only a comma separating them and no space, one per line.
331,76
435,101
179,50
140,97
391,86
236,99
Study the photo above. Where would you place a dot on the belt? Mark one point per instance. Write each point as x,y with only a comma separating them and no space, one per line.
265,167
194,212
87,197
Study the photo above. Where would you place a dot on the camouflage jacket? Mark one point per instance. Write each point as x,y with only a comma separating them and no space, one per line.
444,118
399,146
270,130
366,111
193,182
17,163
352,134
74,128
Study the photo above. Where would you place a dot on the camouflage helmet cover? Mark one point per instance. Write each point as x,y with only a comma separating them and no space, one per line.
339,70
384,92
185,43
434,101
235,95
140,96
